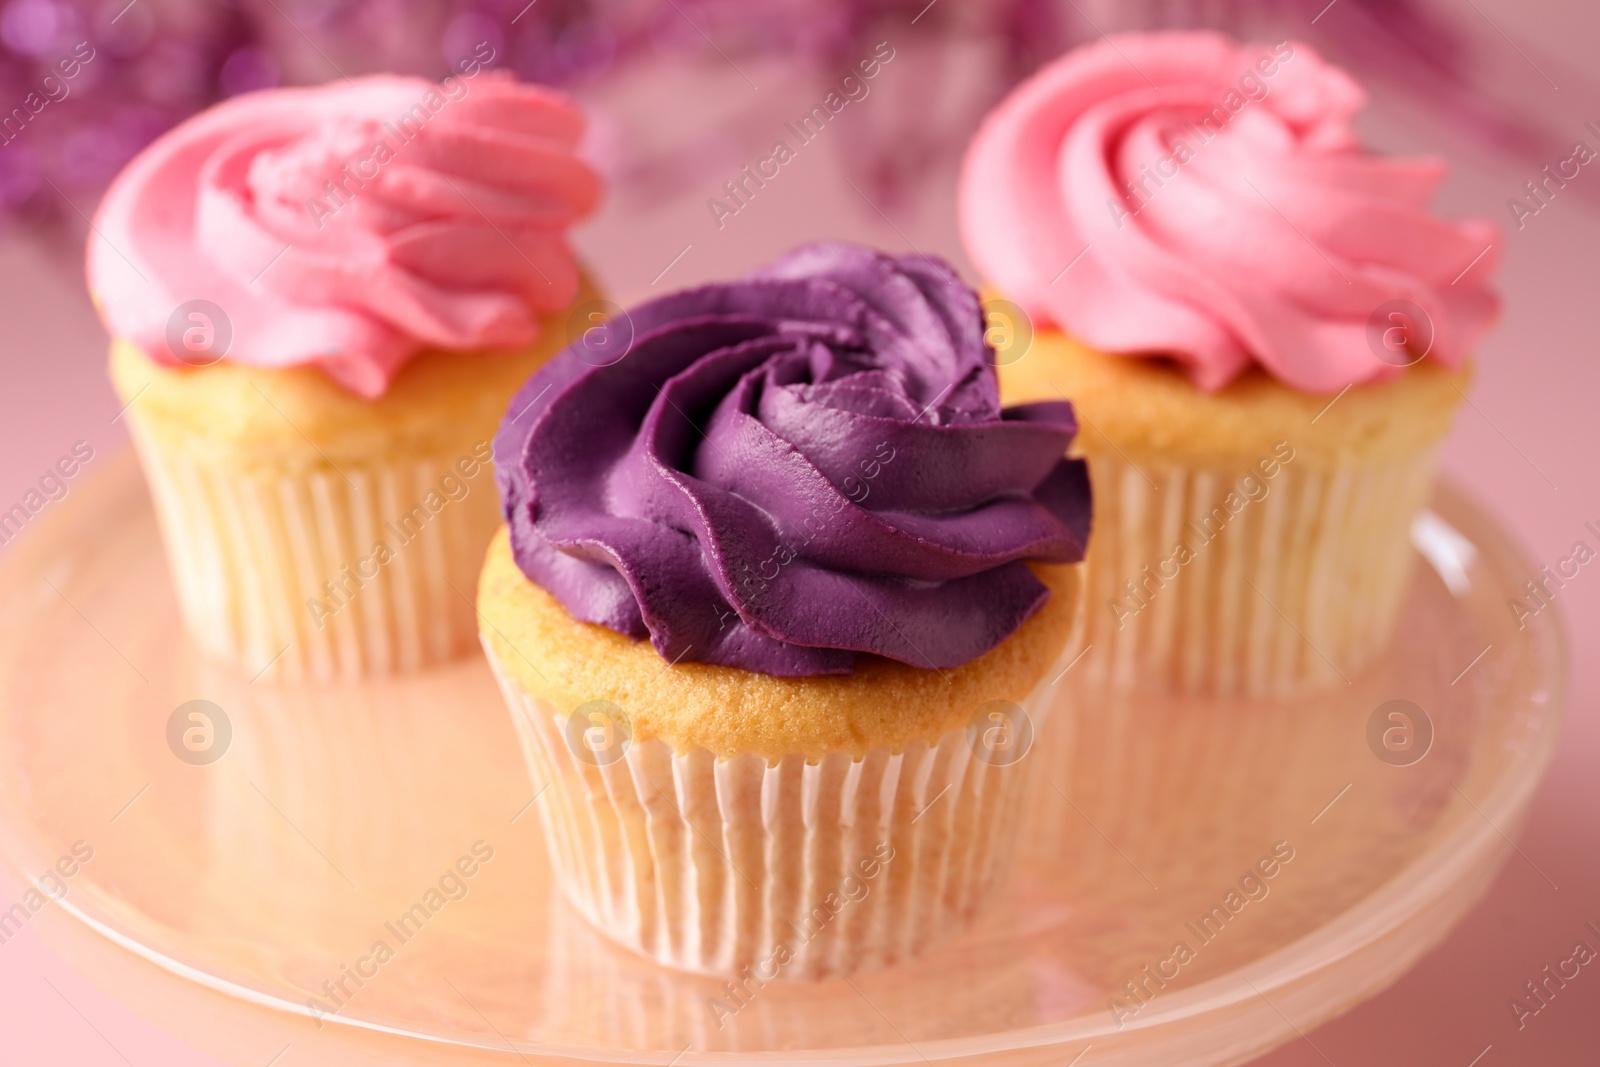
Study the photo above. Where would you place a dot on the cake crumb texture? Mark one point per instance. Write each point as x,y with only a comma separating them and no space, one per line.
732,712
1147,411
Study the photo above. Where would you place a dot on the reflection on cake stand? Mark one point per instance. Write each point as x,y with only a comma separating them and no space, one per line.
1300,858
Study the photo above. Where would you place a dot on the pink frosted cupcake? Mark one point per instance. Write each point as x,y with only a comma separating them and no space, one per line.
320,301
1264,330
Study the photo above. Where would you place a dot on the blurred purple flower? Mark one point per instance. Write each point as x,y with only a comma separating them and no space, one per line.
466,34
19,175
246,70
154,62
33,27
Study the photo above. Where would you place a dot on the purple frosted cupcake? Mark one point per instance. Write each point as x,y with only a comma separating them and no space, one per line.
779,583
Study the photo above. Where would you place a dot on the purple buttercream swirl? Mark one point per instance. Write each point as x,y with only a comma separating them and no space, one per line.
790,469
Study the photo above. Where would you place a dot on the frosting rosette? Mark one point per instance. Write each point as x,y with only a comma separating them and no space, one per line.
787,470
1185,196
350,225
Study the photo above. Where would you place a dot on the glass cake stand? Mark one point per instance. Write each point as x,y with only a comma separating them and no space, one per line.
246,865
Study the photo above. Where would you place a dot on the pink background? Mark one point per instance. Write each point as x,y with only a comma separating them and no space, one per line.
1527,448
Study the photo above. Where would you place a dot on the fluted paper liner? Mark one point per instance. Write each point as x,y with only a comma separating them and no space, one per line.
723,866
1298,590
250,550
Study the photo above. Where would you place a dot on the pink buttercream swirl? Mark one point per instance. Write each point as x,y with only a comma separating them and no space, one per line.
351,225
1184,196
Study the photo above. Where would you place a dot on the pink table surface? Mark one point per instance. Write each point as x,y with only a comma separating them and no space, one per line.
1526,447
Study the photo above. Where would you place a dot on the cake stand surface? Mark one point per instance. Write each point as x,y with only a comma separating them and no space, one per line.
243,868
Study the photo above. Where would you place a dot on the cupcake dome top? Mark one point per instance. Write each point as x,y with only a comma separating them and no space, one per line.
781,472
1187,196
350,226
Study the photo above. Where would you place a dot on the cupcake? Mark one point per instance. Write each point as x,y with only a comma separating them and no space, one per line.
780,594
320,301
1264,331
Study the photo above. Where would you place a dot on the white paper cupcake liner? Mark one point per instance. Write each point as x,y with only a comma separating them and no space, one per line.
725,867
250,551
1298,589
